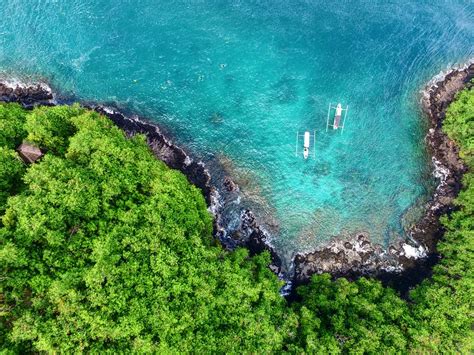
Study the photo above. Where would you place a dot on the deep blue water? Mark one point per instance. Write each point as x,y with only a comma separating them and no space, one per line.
237,80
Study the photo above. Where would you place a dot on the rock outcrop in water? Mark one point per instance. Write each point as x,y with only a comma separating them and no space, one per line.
27,94
406,262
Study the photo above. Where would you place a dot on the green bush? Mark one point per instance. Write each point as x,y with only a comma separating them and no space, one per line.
459,124
359,317
12,118
51,127
11,172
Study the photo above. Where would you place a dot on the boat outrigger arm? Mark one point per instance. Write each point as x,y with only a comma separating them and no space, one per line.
306,144
338,114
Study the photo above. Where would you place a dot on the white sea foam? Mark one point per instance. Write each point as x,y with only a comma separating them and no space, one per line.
440,172
108,110
414,252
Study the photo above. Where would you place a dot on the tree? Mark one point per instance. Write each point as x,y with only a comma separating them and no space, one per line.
12,118
360,316
11,171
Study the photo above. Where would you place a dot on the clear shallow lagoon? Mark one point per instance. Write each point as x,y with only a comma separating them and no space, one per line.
237,80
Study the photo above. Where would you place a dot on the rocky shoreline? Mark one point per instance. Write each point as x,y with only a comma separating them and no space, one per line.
403,264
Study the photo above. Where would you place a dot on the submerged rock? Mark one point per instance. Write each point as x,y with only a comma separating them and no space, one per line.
230,185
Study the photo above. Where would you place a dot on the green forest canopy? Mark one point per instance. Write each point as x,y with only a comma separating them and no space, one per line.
102,247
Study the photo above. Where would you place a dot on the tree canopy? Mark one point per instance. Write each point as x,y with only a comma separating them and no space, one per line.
104,248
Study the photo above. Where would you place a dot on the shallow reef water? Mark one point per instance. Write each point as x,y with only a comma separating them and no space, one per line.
237,80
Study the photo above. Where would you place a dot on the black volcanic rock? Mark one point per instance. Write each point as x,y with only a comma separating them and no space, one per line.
38,94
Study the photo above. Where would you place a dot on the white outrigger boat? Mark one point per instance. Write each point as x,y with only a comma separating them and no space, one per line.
339,112
306,143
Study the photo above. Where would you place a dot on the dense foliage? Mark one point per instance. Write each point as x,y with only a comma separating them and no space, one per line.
104,247
107,248
360,316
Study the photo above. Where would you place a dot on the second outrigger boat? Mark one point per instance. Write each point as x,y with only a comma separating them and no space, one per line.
338,115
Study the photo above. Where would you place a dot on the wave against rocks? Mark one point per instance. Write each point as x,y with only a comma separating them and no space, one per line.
28,94
405,262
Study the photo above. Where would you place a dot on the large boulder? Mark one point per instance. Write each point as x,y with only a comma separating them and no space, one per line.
29,153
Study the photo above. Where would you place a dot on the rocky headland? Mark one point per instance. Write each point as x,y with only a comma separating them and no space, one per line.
406,262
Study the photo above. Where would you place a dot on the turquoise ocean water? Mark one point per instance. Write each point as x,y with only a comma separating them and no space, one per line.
235,81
